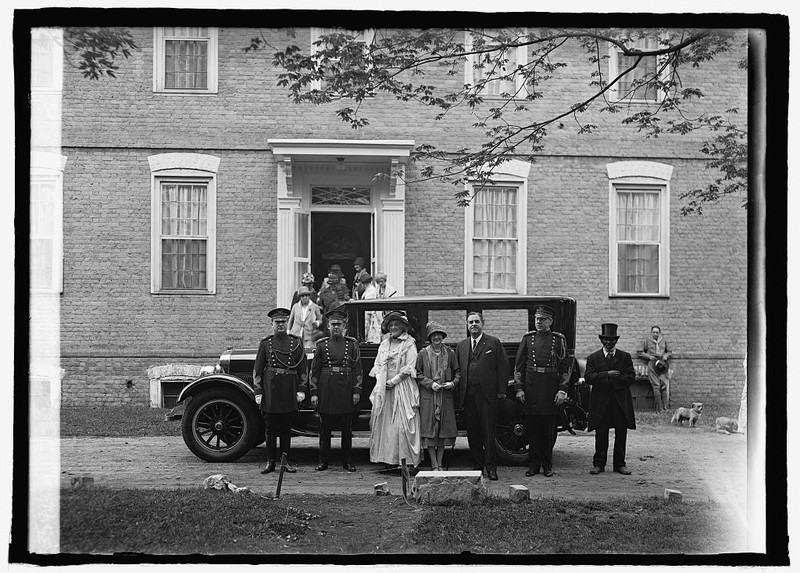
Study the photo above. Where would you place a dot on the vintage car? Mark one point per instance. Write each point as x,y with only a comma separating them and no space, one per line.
220,419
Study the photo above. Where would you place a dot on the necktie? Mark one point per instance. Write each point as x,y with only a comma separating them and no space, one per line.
609,358
474,344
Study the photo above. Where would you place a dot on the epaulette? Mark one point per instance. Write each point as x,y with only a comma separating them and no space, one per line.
294,336
266,337
351,338
529,332
321,340
559,334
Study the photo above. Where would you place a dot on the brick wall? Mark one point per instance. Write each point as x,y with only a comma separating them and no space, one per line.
113,329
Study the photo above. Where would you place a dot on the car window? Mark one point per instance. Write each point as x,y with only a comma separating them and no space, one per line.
453,321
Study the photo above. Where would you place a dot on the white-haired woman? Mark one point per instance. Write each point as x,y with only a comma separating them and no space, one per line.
394,422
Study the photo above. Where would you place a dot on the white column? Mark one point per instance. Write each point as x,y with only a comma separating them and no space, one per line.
392,235
287,207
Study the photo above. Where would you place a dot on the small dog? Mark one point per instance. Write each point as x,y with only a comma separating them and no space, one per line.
692,414
727,425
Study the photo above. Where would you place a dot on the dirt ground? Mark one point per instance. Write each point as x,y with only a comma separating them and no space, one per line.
700,463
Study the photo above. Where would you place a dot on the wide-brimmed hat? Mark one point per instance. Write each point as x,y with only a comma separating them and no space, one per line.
394,315
303,290
433,327
308,278
608,330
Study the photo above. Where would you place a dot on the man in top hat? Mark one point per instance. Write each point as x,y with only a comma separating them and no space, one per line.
280,375
484,378
335,387
358,285
541,381
609,372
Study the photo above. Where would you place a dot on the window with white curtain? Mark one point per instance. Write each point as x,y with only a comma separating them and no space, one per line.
45,240
493,251
640,240
185,60
496,68
628,88
184,224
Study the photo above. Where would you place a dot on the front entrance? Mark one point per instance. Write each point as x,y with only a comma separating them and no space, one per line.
338,238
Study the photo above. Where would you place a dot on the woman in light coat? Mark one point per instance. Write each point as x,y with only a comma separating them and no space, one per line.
394,421
305,319
437,374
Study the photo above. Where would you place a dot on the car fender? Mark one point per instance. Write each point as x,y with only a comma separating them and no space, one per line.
210,381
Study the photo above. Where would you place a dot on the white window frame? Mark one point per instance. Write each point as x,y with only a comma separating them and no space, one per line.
48,169
613,69
53,39
520,87
159,63
510,174
649,177
183,168
316,32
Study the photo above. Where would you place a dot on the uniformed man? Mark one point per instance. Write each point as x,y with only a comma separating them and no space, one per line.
280,376
335,387
541,377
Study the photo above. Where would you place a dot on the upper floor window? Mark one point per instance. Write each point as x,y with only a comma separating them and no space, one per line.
635,85
185,60
496,236
348,59
46,261
493,72
639,229
46,59
184,223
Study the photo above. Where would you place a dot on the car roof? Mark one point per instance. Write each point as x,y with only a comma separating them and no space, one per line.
465,299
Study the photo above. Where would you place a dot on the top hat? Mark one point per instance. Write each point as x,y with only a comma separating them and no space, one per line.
433,327
278,313
544,311
394,315
609,330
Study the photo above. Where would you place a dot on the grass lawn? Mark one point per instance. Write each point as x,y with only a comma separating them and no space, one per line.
181,522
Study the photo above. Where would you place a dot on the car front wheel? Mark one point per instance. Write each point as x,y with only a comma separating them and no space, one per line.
511,440
220,425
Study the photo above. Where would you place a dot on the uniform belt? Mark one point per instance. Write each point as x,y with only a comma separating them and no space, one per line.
544,369
336,369
279,370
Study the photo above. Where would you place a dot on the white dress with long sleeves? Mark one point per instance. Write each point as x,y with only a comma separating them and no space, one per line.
394,422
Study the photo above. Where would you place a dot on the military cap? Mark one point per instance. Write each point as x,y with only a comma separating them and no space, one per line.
278,313
544,311
336,313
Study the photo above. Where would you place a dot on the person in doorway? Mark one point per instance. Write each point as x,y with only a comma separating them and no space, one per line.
484,378
541,382
656,352
358,286
306,281
609,372
335,291
335,387
280,376
437,376
305,320
337,270
394,421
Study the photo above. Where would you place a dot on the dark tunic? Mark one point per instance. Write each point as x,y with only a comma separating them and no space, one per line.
336,375
542,368
281,362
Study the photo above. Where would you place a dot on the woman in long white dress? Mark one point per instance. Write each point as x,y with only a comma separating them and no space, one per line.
394,422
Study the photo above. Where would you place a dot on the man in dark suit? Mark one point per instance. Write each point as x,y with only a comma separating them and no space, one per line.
484,378
609,372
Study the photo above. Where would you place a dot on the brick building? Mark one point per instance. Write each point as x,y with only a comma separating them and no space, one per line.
219,169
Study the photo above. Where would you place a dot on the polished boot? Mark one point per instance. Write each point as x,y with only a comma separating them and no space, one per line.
272,446
270,467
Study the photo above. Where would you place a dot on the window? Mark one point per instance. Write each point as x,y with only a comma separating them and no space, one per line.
46,261
185,60
184,223
639,229
629,87
496,234
499,79
362,38
46,59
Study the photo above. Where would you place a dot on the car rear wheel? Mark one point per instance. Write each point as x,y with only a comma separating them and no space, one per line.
220,425
511,440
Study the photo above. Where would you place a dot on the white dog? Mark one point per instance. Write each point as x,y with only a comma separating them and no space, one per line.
726,425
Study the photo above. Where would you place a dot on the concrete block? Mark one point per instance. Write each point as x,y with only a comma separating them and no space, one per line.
448,488
673,495
382,488
518,493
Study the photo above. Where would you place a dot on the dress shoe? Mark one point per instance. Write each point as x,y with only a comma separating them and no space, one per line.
349,467
596,470
290,469
531,472
321,467
623,470
493,475
270,467
548,473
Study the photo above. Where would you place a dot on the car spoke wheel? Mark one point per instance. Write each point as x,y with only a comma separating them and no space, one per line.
220,425
511,439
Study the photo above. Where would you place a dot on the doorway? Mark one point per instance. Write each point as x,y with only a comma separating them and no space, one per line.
338,238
